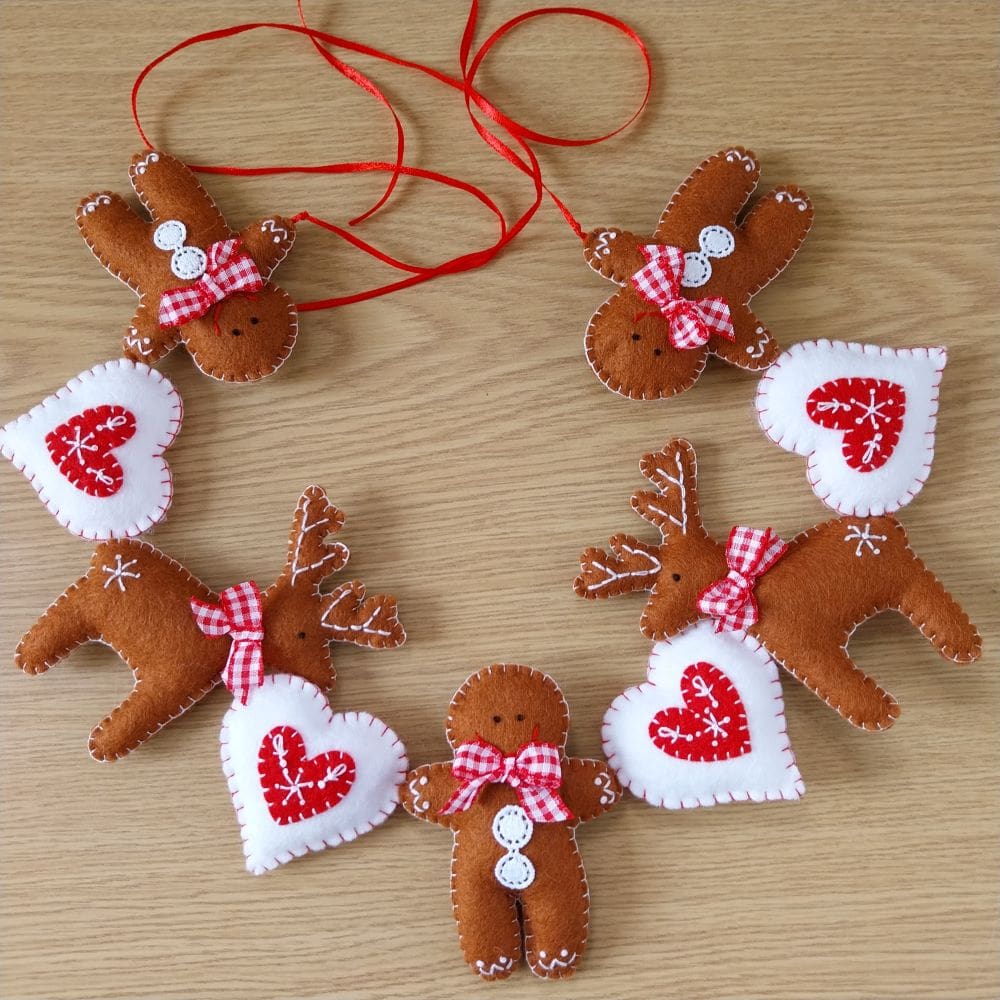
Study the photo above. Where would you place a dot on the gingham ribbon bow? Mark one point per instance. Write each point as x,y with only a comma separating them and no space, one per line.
690,321
750,553
534,772
227,272
240,615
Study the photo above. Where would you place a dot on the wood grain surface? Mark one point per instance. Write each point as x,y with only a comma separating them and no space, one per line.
476,455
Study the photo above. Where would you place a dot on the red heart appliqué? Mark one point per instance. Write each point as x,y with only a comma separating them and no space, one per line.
81,448
712,725
296,786
870,413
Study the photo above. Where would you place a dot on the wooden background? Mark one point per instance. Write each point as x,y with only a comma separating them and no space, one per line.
476,455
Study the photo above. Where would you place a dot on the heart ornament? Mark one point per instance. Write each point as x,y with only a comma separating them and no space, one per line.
303,778
94,450
863,415
707,727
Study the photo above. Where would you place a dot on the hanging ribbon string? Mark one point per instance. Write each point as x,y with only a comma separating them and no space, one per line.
524,159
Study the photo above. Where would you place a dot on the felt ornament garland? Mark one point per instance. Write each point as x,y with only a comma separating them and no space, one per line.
303,778
686,289
800,600
708,726
137,600
93,451
199,283
513,799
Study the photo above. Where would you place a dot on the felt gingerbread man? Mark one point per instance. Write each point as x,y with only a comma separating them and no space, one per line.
513,800
686,289
199,283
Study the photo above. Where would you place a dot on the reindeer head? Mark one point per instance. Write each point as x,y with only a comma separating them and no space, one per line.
677,570
299,621
241,336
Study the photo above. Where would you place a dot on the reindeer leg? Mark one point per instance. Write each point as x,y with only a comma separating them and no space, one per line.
64,626
939,617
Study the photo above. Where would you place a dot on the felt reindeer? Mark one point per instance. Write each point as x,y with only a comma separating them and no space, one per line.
801,601
686,289
513,800
178,636
199,283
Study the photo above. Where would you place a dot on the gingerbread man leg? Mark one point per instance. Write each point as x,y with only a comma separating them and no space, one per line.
489,932
556,908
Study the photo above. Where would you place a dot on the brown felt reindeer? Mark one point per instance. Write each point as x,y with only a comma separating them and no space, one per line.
198,282
138,601
652,338
827,581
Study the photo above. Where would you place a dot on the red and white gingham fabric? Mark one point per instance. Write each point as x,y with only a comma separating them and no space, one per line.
240,615
690,321
534,772
227,272
750,553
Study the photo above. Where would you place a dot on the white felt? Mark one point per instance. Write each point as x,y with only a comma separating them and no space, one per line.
147,488
379,756
768,771
781,407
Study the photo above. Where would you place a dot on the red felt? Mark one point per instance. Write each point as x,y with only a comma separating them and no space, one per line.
81,448
712,724
296,786
870,413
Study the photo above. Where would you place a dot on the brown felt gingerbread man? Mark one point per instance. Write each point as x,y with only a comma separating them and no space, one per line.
801,600
139,602
686,289
199,283
513,800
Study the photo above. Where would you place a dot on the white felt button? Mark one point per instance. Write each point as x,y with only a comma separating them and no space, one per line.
188,262
716,241
697,270
170,235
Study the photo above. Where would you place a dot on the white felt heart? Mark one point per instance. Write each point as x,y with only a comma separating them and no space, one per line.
94,450
303,778
863,415
707,727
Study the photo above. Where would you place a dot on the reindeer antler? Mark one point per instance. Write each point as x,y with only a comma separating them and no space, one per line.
674,471
310,557
370,622
634,566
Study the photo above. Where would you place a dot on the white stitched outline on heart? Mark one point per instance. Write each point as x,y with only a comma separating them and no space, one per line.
713,241
186,262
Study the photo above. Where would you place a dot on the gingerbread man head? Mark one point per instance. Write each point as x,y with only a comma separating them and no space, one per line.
686,289
199,283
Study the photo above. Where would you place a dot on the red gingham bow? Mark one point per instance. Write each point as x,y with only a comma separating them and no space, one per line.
690,322
534,772
240,615
228,272
750,553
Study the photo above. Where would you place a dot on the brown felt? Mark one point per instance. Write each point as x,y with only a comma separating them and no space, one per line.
247,336
649,367
507,705
150,626
810,602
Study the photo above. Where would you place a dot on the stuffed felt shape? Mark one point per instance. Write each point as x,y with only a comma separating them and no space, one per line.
199,283
513,799
686,289
137,600
93,451
801,600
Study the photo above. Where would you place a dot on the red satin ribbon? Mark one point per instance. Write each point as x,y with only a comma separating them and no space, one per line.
525,161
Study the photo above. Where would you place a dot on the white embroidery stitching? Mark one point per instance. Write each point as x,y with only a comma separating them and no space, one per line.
865,538
119,572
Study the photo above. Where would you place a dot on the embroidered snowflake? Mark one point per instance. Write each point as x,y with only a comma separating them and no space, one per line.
78,444
120,572
865,538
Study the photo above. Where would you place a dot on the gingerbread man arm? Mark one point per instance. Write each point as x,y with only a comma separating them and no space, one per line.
268,241
169,190
614,253
588,787
144,339
753,348
117,237
425,792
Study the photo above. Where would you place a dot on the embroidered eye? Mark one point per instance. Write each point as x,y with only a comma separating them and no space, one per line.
254,321
302,635
657,351
636,336
497,719
235,331
676,577
520,717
